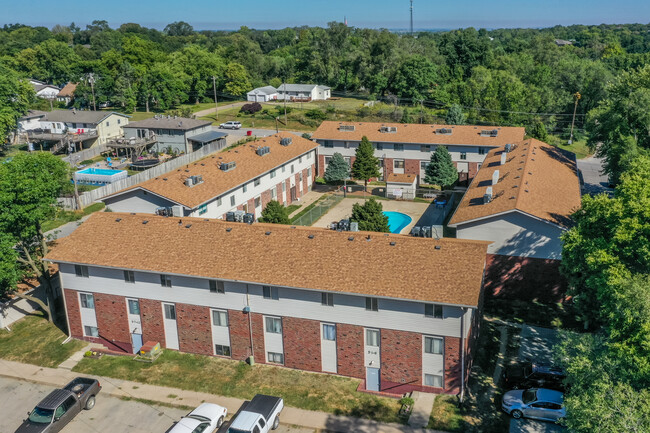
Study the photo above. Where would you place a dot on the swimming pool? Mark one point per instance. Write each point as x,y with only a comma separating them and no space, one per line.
397,221
99,176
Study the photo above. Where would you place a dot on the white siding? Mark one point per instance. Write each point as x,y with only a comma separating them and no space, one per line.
273,341
135,323
88,316
433,363
328,350
516,234
220,334
371,354
171,329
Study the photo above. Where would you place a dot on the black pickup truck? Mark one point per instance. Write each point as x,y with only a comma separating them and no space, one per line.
57,409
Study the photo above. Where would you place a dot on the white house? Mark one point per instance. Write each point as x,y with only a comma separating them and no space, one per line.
280,167
304,92
263,94
44,90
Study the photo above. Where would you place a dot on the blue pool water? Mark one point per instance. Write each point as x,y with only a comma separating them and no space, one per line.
99,171
397,221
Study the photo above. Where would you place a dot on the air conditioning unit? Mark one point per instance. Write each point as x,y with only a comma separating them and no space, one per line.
261,151
388,129
487,197
489,133
227,166
197,179
495,177
286,141
425,232
415,231
348,128
354,226
249,218
177,211
508,147
344,225
230,216
444,131
189,182
239,216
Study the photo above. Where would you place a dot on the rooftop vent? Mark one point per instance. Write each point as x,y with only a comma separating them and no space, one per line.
503,158
350,238
388,129
188,226
228,229
118,220
392,244
145,221
227,166
286,141
267,233
261,151
444,131
495,177
310,237
489,132
487,197
348,128
437,247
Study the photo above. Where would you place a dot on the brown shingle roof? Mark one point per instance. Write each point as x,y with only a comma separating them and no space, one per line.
68,90
537,178
412,268
401,178
422,134
216,181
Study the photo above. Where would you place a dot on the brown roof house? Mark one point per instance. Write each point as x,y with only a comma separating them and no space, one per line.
521,200
67,93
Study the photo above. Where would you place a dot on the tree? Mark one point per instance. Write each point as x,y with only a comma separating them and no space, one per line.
16,95
365,165
455,115
275,213
414,78
441,170
237,82
370,216
539,131
29,187
179,28
337,169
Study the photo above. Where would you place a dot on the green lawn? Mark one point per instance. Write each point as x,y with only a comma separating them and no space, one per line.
311,391
65,216
446,415
34,340
579,147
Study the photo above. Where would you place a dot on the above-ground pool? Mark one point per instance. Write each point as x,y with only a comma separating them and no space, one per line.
397,221
99,176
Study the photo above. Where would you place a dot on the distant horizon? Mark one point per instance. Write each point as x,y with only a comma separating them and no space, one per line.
376,14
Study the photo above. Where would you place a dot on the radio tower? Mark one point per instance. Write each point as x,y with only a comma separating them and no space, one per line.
411,16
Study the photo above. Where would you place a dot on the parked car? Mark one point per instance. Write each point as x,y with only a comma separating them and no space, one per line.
59,408
260,415
526,375
204,419
231,124
536,403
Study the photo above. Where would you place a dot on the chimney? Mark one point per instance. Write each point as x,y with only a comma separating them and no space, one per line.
487,197
495,177
503,158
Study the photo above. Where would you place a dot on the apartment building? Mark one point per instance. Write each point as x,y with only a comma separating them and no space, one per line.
399,312
279,167
407,148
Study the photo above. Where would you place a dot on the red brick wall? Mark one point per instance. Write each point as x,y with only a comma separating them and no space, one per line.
301,341
113,321
388,164
473,169
251,207
452,365
194,329
74,314
240,342
401,357
153,328
278,193
288,186
412,166
305,181
297,181
266,198
349,348
258,338
321,165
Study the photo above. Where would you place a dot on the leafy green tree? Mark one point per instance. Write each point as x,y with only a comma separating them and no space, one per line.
51,61
179,28
370,216
455,115
237,82
414,78
275,213
199,66
16,95
366,165
539,132
29,187
338,169
441,170
162,87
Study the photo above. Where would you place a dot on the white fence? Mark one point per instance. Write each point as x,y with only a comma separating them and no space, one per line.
77,157
89,197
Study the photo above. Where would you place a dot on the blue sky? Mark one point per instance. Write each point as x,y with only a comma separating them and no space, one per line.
428,14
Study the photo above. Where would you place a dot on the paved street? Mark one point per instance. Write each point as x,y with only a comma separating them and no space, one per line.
258,132
594,181
110,414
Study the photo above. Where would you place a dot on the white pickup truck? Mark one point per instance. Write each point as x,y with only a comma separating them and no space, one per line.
260,415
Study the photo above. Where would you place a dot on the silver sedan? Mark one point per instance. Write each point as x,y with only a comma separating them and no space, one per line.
206,418
535,403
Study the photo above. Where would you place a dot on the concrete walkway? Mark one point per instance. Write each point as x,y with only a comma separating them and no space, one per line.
18,308
123,388
421,409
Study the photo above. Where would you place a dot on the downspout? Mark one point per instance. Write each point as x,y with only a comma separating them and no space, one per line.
250,325
462,354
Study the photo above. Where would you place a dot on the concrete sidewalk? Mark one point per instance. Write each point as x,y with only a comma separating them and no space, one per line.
123,388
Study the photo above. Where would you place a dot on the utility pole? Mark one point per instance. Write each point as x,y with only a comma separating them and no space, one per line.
411,17
577,95
91,80
216,107
285,103
421,108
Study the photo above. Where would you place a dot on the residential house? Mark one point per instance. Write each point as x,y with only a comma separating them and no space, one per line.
181,134
562,42
398,312
280,167
304,92
521,201
67,93
44,90
407,148
263,94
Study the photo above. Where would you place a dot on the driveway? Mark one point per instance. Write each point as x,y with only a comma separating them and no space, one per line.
594,181
110,414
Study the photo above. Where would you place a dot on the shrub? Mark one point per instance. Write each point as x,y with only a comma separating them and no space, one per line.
280,109
87,162
406,401
306,135
251,108
316,114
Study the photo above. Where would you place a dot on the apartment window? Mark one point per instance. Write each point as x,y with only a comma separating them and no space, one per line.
433,380
244,188
134,307
463,155
292,169
399,163
232,200
372,337
398,147
300,177
380,146
380,162
284,168
81,271
119,121
275,358
87,300
327,160
217,286
170,311
327,299
284,187
129,277
433,345
256,182
424,165
425,148
371,304
274,193
219,201
258,202
165,280
482,150
300,160
273,325
203,209
329,332
272,174
328,144
108,124
309,172
221,350
270,292
219,318
433,310
91,331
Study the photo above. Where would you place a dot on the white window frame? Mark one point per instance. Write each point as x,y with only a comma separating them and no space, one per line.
432,345
369,341
274,321
220,317
275,357
83,299
432,376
